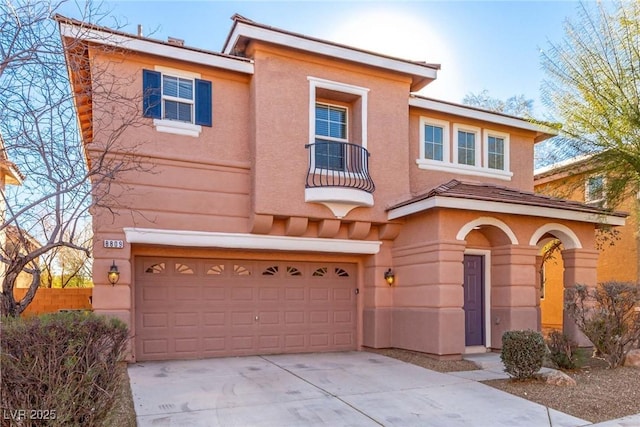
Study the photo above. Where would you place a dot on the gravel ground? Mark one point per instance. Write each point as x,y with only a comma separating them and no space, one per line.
601,394
421,359
123,413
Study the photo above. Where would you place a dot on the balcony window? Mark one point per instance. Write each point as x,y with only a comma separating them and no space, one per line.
331,130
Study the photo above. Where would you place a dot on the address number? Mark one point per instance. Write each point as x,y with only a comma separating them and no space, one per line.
118,244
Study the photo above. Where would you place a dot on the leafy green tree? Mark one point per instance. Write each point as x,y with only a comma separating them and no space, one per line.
593,89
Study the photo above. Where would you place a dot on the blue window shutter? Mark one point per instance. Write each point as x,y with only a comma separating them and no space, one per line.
204,111
151,96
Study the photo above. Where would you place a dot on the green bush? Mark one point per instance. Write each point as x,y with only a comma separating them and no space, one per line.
563,352
522,353
60,369
608,316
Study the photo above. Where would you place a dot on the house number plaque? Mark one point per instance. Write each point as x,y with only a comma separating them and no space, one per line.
117,244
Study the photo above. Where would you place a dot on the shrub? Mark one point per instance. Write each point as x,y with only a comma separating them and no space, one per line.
522,353
607,315
60,367
563,352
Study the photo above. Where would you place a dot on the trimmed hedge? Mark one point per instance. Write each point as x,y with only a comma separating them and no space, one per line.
522,353
60,369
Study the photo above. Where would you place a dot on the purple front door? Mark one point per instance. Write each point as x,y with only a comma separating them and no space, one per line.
473,300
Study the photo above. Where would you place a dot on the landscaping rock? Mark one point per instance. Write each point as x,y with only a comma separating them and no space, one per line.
558,378
633,358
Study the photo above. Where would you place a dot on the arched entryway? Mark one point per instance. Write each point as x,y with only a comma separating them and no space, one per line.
486,239
562,262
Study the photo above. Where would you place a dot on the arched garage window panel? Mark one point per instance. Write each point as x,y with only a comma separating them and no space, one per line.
241,270
293,271
216,270
183,268
158,268
271,271
340,272
320,272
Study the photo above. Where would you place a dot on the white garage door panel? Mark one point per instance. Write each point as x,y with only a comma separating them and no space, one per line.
190,308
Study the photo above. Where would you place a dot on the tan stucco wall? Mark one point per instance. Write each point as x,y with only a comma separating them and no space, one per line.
616,262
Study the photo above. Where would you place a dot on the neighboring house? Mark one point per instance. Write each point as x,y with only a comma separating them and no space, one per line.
9,175
292,177
578,179
20,242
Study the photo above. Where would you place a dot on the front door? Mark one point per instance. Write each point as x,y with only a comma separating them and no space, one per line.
474,300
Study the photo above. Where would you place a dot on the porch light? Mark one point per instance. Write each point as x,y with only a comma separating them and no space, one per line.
389,277
114,274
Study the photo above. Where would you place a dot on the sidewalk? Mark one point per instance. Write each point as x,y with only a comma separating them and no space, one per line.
491,368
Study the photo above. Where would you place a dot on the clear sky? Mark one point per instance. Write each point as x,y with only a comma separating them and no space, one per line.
480,44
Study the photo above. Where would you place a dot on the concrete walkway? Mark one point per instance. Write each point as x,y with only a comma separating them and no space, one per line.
333,389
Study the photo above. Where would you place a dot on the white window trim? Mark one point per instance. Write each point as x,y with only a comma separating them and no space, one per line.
362,92
485,151
173,126
450,163
446,141
478,144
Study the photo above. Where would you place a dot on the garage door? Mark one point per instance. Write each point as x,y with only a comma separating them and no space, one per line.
191,308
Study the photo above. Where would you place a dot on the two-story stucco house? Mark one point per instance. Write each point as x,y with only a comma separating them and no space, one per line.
9,175
304,198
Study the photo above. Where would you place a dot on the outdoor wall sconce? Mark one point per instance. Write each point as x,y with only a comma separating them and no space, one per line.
114,274
389,277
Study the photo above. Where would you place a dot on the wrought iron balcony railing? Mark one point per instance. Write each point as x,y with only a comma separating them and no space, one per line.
338,164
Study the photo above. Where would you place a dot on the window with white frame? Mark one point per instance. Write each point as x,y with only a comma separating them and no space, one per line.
178,101
177,98
474,151
594,189
466,146
496,150
331,131
434,139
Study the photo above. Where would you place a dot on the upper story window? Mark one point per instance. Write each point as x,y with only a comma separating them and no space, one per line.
177,98
331,122
497,150
471,151
434,138
331,128
178,101
595,189
466,148
466,145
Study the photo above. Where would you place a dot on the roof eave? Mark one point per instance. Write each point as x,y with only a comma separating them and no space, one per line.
421,73
138,44
542,131
424,204
12,175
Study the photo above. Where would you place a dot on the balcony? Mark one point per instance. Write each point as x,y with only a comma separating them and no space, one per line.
338,176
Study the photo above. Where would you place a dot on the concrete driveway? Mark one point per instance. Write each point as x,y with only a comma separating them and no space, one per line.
333,389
